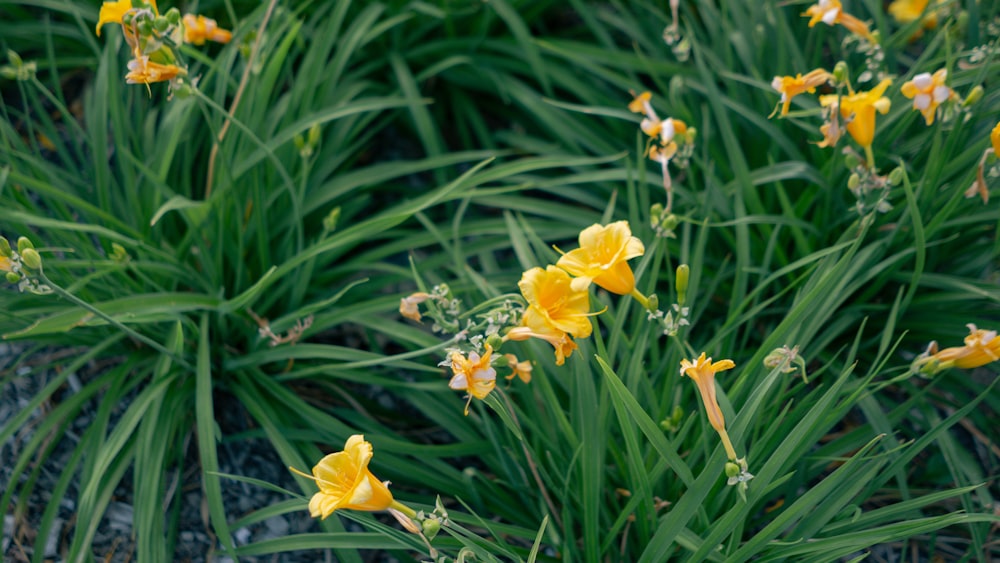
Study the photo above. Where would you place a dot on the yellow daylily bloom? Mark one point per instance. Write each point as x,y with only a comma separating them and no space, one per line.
603,258
995,140
474,374
831,12
345,481
859,111
907,11
198,29
703,371
791,86
112,12
928,91
555,311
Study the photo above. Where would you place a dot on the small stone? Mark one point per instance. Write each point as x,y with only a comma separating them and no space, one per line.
52,542
120,516
242,536
8,532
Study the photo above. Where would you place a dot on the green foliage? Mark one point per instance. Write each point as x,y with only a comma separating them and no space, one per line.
381,147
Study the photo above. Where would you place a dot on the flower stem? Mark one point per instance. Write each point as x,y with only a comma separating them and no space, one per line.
642,299
728,444
403,508
870,157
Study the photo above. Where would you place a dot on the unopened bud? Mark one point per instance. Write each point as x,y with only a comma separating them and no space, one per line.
653,302
31,258
896,176
853,181
431,527
330,221
852,161
24,243
681,282
14,58
494,341
841,73
691,134
12,277
5,248
145,27
173,16
127,18
183,89
732,469
670,222
974,96
160,23
314,134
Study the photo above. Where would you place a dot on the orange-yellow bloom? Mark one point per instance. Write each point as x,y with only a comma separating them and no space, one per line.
981,347
112,12
791,86
831,12
995,140
474,374
198,29
703,371
928,92
555,311
144,71
906,11
345,481
409,305
859,111
603,258
640,104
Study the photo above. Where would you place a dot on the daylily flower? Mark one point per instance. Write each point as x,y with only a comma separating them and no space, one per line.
408,306
198,29
859,111
112,12
906,11
927,92
345,481
603,258
995,140
144,71
522,370
791,86
474,374
981,347
831,12
703,371
555,311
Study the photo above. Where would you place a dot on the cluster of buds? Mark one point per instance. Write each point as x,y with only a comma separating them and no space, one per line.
20,266
18,69
676,317
870,189
788,360
153,39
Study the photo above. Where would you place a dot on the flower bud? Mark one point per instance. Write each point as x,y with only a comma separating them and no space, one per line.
681,282
23,243
852,161
431,526
733,469
173,16
330,221
841,73
145,27
314,134
670,222
974,96
127,18
31,258
494,341
160,24
896,176
14,58
5,248
12,277
853,181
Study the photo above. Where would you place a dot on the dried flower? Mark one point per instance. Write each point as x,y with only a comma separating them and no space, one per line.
791,86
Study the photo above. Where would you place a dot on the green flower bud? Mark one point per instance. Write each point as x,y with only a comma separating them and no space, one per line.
853,181
896,176
12,277
127,18
23,243
670,222
974,96
653,302
494,341
160,24
681,282
852,161
145,28
14,58
691,134
31,258
300,141
431,526
314,134
732,469
173,16
841,73
183,89
330,221
5,248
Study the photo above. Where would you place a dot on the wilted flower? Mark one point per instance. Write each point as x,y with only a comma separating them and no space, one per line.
859,109
791,86
408,306
603,258
474,374
144,71
522,370
831,12
345,481
927,92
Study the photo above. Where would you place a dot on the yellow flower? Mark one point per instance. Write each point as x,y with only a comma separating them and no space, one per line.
831,12
603,258
927,92
522,370
859,111
5,264
981,347
703,371
906,11
791,86
995,139
345,481
408,306
112,12
144,71
640,104
198,29
555,311
474,374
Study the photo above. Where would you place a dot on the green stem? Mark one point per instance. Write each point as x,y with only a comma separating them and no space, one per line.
113,322
642,299
409,512
870,157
